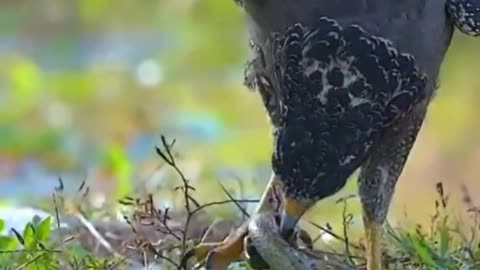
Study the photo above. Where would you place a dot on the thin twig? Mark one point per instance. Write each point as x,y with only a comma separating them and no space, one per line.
334,235
347,218
235,201
244,212
33,260
29,251
167,156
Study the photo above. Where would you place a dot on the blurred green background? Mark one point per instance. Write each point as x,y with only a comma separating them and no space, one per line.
87,87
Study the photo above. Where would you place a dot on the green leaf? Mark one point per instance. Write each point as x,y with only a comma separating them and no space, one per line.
422,251
8,243
444,241
29,237
43,230
2,225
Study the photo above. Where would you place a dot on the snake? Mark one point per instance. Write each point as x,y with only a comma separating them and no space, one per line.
268,250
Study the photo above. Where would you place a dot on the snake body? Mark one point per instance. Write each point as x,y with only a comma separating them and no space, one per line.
278,254
263,233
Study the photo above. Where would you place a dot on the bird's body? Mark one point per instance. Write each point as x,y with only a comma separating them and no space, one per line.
347,85
418,27
338,146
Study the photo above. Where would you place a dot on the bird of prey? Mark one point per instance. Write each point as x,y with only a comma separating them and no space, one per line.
346,84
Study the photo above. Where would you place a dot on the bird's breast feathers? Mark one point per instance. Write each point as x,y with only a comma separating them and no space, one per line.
339,90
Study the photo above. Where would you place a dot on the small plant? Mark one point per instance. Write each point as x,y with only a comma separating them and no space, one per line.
29,249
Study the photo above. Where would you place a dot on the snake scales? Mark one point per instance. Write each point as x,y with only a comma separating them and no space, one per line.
264,238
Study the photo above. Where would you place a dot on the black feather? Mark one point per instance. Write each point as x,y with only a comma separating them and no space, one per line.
465,15
342,89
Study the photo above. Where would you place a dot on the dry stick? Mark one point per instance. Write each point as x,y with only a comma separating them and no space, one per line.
89,226
167,227
150,208
244,212
165,152
149,246
235,201
161,256
57,215
145,260
238,180
170,160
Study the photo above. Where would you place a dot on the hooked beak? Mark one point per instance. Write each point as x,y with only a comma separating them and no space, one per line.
292,212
